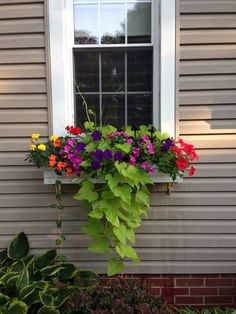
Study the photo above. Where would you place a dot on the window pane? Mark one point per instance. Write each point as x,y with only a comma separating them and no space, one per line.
139,70
80,113
140,109
113,71
113,110
87,71
112,23
86,24
139,22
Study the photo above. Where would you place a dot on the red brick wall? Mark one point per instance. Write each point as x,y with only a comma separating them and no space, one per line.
195,290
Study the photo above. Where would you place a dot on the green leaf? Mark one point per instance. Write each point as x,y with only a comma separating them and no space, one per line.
120,233
90,147
93,227
63,295
4,298
23,279
68,272
3,256
130,253
26,292
124,192
17,307
86,192
114,267
87,279
50,270
100,245
18,247
46,259
143,198
89,125
85,163
124,147
46,299
130,235
112,216
112,181
16,266
97,213
47,310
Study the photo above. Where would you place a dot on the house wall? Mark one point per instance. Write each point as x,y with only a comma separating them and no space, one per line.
190,231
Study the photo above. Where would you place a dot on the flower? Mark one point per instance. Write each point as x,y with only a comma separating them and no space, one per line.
61,165
107,154
145,138
34,137
151,148
177,150
68,171
145,165
57,143
132,161
97,136
95,164
182,163
53,138
118,156
136,152
70,142
152,171
98,154
130,141
42,147
192,170
73,130
167,145
32,147
80,147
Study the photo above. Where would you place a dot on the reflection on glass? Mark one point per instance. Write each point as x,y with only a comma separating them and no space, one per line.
112,23
87,70
139,70
140,109
80,114
113,110
113,71
86,24
139,22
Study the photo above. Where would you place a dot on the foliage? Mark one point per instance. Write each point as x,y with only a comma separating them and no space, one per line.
215,310
123,161
36,284
119,296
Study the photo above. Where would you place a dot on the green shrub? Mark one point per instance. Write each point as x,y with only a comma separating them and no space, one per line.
36,284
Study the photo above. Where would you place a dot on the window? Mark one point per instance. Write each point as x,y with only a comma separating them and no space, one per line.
121,55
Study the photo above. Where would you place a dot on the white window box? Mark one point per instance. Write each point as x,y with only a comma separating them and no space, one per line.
50,177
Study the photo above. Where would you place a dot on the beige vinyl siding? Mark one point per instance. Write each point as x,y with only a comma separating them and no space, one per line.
192,230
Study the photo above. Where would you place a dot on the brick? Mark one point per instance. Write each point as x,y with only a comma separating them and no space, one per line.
219,300
205,276
219,282
174,291
154,291
188,300
203,291
189,282
227,291
160,282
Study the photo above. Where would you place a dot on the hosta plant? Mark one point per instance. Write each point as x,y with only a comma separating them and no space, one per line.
123,162
36,284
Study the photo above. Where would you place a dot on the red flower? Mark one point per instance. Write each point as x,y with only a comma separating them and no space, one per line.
61,165
52,160
192,170
68,171
177,150
57,143
182,163
73,130
193,156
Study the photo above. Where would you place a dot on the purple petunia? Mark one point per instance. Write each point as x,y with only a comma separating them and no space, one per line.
118,156
97,136
107,154
98,154
167,145
80,147
95,164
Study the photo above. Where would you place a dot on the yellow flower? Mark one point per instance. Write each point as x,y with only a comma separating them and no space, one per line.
42,147
53,138
32,147
34,137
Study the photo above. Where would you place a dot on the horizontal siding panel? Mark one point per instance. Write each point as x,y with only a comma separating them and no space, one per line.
216,170
207,127
217,155
208,67
22,56
207,52
21,11
19,1
207,112
208,97
14,144
207,6
208,36
23,101
192,21
20,173
25,186
206,185
23,86
21,26
22,130
22,71
212,141
25,115
13,159
21,41
207,82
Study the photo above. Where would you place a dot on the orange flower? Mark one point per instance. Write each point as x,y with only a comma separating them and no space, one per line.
61,165
51,163
68,171
52,157
57,143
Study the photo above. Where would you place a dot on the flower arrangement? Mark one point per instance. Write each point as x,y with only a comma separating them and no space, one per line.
123,160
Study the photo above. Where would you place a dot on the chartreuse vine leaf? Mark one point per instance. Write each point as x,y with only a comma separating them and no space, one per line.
114,267
124,192
143,198
124,147
130,235
120,233
113,181
125,250
90,147
96,213
100,245
86,192
89,125
112,216
93,227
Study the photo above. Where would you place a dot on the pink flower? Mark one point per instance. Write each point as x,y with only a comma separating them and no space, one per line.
145,165
111,136
145,138
136,152
132,161
151,149
130,141
152,171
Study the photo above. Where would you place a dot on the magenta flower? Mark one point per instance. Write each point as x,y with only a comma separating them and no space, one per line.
70,142
151,148
136,152
130,141
67,148
132,161
145,165
145,138
111,136
152,171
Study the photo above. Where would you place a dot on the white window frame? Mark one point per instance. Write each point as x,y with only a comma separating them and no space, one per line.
61,43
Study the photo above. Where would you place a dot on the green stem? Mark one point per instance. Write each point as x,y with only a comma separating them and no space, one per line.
84,102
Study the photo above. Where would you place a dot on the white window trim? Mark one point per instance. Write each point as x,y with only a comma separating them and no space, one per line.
61,66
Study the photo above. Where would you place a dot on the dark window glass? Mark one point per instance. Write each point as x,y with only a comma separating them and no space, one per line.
140,109
80,112
113,110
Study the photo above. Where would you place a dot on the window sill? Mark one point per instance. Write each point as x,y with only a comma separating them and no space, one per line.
50,178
